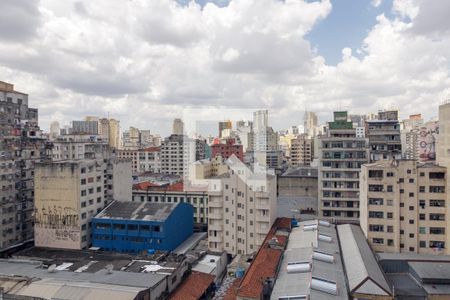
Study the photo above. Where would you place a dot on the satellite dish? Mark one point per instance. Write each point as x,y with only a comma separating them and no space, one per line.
109,268
52,269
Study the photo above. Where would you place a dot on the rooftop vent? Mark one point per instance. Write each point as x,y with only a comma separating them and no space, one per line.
323,256
324,285
298,267
312,227
325,238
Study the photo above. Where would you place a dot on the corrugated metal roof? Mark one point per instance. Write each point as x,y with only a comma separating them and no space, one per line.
359,260
432,271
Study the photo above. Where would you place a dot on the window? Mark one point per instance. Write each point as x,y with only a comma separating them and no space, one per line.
411,221
422,203
376,228
437,217
376,214
402,191
408,171
119,227
411,194
437,230
421,216
411,235
132,227
389,215
83,193
437,203
437,244
103,226
422,174
422,244
437,189
411,208
401,180
411,180
411,249
437,175
83,181
83,204
390,242
390,174
422,230
390,202
421,189
389,188
376,201
83,216
378,241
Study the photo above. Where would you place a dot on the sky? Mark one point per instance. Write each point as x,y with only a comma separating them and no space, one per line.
147,62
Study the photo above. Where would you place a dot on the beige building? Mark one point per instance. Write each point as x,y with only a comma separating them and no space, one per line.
403,207
341,154
143,160
302,151
109,130
178,127
69,193
241,209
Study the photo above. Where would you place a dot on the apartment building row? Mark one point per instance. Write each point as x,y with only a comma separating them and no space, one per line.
21,146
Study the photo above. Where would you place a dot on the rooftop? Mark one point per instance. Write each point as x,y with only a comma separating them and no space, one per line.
301,172
311,263
364,274
266,260
193,287
147,211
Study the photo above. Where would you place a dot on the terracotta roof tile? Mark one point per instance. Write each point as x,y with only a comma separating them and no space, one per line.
232,290
193,287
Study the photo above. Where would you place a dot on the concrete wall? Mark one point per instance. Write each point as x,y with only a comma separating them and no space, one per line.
57,206
122,180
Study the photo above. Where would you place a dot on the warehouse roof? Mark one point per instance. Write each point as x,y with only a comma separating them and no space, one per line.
364,274
147,211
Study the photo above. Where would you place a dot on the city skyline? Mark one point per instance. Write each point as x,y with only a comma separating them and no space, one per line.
79,58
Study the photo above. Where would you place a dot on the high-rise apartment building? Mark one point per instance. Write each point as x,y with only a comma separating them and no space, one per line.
131,139
109,131
114,133
260,120
172,155
243,131
178,127
410,131
241,209
143,160
302,151
341,154
21,146
404,208
54,130
310,123
384,136
67,147
70,193
224,125
85,127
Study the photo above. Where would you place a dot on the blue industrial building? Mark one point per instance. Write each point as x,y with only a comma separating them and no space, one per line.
142,226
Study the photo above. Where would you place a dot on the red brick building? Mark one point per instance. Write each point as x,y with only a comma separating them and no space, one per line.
227,149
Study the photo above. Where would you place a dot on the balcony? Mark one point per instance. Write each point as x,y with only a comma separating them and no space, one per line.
217,227
215,216
215,204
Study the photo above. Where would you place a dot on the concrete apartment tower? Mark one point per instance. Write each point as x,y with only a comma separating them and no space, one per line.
341,155
404,207
178,127
241,209
21,146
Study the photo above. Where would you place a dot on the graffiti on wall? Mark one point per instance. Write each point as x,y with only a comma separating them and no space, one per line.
427,141
57,226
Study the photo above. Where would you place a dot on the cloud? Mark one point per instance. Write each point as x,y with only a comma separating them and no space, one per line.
145,61
19,20
376,3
